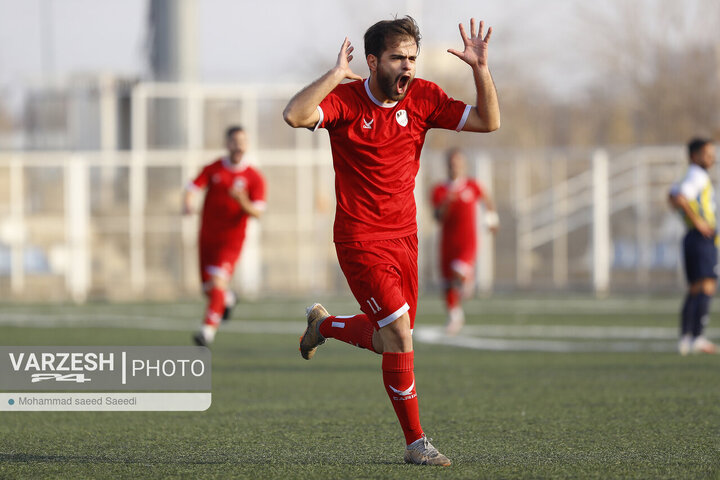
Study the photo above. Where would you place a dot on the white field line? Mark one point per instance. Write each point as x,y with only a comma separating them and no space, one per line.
543,338
498,305
513,307
142,323
436,336
571,331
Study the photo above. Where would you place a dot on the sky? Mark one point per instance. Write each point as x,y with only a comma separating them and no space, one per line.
246,40
291,41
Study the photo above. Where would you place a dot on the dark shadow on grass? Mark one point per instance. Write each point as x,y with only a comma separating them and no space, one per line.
35,458
295,369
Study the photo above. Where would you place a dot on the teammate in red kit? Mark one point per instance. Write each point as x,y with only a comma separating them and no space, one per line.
235,192
377,128
454,202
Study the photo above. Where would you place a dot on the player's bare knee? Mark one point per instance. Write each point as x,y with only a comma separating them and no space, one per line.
397,336
709,286
377,342
216,281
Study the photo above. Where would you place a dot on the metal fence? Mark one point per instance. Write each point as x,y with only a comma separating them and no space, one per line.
106,223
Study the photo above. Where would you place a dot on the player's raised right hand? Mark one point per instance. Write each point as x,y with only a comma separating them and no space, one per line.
343,60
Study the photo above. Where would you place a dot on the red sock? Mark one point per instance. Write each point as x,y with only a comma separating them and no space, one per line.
356,330
399,382
215,306
452,298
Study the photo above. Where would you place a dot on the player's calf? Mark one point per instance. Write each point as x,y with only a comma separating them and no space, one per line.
231,300
213,316
356,330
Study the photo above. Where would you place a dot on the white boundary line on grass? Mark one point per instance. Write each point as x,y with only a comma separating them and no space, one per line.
540,338
140,322
435,335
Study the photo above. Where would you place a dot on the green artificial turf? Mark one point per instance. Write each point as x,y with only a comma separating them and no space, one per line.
496,414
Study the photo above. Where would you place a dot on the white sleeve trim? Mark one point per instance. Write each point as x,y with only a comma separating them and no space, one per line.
191,187
320,120
464,118
694,182
394,316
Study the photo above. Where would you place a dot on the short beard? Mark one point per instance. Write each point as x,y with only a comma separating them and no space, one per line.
387,86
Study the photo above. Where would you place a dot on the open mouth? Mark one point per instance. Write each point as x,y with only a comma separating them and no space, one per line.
402,84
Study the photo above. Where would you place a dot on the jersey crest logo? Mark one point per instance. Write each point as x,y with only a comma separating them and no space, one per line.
240,184
401,117
216,178
367,124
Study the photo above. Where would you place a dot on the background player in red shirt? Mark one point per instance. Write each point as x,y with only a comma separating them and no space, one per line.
235,192
454,201
377,128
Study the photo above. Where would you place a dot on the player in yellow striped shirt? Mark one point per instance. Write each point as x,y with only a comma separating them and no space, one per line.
694,197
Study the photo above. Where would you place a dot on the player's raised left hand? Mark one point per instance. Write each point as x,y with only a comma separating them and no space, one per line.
476,46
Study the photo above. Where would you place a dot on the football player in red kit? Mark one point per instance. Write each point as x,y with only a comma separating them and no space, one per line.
377,127
455,202
235,192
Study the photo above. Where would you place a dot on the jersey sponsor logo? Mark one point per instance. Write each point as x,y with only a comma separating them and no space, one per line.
240,184
406,394
368,124
401,117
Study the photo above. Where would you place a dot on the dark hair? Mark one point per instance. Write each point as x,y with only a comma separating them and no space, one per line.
697,144
377,36
232,131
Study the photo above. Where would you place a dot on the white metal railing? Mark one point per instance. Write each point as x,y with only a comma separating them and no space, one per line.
595,198
590,199
73,242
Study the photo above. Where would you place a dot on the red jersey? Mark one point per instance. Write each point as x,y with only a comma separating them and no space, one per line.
376,154
223,220
458,223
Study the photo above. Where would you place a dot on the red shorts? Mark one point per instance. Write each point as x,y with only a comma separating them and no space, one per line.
217,259
383,277
454,261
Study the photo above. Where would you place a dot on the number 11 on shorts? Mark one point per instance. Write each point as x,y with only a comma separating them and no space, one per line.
373,305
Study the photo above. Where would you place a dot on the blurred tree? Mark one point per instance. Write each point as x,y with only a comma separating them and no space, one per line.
661,64
6,122
656,67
